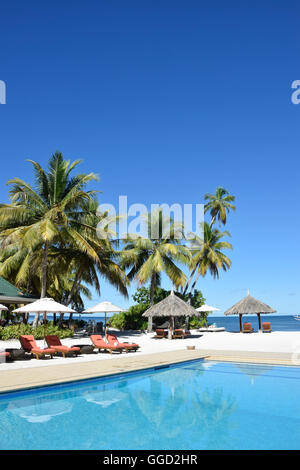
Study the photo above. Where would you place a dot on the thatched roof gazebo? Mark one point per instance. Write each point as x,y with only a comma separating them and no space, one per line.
247,306
171,306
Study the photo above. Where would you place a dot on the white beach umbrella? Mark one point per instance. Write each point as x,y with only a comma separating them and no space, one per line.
44,305
207,308
104,307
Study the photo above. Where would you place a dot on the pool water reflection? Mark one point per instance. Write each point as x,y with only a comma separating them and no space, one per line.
195,405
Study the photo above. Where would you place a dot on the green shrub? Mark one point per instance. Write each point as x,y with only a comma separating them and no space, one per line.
197,322
14,331
131,320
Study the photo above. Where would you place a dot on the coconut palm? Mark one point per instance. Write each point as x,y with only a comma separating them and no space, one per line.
68,265
219,204
148,258
208,254
41,217
86,222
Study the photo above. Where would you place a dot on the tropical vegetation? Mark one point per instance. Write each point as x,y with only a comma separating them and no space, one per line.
48,235
133,320
159,252
50,245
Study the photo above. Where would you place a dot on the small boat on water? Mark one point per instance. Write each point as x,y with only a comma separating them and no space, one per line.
297,317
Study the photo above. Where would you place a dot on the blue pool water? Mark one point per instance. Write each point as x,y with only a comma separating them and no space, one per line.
196,405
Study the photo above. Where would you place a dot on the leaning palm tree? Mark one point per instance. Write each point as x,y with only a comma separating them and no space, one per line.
41,217
208,255
219,205
149,257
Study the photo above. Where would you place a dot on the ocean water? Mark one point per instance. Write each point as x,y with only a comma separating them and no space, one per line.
195,405
231,323
278,322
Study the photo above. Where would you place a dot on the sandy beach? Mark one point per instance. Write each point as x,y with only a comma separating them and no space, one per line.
275,342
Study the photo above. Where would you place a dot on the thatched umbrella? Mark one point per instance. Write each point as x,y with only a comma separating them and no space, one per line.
171,306
247,306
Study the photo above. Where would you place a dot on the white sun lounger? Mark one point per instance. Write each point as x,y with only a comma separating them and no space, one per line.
212,329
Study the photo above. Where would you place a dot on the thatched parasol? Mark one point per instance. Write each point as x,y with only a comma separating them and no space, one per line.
247,306
171,306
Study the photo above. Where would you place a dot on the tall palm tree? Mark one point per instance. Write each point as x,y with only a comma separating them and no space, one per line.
208,255
219,204
86,221
76,254
147,258
41,217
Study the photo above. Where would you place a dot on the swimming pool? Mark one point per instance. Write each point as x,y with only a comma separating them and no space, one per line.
194,405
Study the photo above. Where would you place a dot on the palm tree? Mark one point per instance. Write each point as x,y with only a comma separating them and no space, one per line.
148,258
219,205
41,217
208,255
86,221
68,264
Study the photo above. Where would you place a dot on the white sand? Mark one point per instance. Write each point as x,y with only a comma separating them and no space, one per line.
280,341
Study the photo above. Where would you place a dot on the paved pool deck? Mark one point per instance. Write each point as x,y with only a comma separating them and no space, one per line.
30,377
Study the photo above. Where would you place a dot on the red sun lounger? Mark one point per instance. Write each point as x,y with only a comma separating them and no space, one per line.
53,342
113,341
266,327
29,345
247,328
4,354
100,344
160,333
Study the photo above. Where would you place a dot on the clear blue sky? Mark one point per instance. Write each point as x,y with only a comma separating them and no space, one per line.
166,100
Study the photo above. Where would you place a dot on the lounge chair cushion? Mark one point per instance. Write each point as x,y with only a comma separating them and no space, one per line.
29,344
53,341
43,351
116,342
99,342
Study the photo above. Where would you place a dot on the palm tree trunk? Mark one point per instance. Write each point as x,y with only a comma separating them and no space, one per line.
213,219
189,281
195,282
74,287
71,294
43,281
61,319
44,271
152,289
